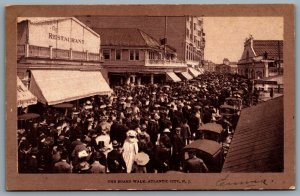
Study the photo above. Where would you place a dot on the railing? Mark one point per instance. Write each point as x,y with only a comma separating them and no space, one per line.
78,55
21,50
94,57
54,53
60,54
37,51
161,62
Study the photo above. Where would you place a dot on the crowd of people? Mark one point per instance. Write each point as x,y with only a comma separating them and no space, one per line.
138,129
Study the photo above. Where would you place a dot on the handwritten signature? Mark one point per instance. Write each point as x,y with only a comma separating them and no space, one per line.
248,183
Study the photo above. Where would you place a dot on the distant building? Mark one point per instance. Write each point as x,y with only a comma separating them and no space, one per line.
184,33
131,55
261,58
209,66
58,59
227,67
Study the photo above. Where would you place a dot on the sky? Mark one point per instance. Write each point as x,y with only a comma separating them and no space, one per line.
225,36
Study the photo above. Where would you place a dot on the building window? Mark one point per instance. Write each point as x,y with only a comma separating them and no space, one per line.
247,55
134,55
106,54
195,39
187,32
118,54
151,55
194,26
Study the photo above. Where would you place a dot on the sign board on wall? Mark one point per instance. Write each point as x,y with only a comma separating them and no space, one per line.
64,34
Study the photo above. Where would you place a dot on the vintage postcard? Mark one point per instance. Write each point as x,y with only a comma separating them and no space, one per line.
150,97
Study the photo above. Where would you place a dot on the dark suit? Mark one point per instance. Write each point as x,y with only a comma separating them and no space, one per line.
62,167
195,165
115,162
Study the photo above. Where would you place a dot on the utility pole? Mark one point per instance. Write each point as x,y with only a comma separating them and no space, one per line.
165,38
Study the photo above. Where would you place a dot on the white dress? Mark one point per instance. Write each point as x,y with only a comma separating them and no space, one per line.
130,150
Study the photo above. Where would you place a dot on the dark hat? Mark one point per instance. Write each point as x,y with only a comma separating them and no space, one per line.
34,150
60,138
100,144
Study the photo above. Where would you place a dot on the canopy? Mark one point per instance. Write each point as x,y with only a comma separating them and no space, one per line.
28,116
173,77
208,146
24,96
186,75
201,70
194,72
58,86
213,127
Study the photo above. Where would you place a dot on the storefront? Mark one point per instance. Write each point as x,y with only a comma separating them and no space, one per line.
59,60
24,96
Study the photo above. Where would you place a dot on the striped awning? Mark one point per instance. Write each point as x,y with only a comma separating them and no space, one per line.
57,86
186,75
171,76
194,72
24,96
200,70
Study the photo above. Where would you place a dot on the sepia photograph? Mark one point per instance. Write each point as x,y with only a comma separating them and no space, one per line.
153,101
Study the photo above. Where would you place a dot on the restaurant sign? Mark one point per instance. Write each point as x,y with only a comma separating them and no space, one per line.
64,38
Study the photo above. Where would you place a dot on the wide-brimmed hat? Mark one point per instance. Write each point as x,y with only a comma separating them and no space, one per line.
83,154
166,130
141,158
131,133
115,143
103,106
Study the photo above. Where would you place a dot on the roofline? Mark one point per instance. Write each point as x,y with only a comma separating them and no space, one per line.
268,40
64,18
128,47
140,30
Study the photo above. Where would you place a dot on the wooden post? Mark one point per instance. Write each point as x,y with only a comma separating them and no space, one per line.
51,52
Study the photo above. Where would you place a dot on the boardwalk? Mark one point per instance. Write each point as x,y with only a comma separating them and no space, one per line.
257,145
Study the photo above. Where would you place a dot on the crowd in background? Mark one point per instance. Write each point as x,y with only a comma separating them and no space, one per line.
138,129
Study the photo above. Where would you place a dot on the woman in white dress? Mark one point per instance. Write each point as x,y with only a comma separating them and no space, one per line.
130,148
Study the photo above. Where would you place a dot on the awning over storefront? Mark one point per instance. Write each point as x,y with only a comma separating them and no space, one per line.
194,72
186,75
24,96
58,86
171,76
201,70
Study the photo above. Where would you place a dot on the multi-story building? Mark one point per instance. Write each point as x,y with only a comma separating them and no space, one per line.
58,59
227,67
132,56
261,58
184,33
209,66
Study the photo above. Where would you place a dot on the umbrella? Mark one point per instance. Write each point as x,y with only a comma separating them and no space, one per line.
28,116
63,105
141,158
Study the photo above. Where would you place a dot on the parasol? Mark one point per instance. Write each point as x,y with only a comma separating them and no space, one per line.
141,158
